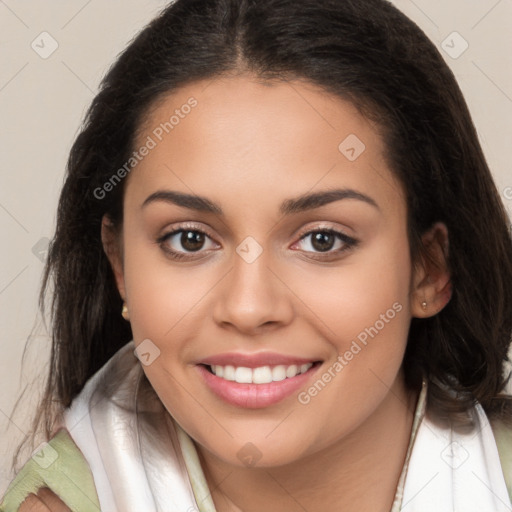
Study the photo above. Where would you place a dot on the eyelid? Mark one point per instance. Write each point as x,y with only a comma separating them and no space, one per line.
183,226
321,227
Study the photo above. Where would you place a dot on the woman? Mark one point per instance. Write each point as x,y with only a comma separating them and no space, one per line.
283,276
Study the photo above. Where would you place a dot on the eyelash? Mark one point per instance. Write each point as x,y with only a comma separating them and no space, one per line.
348,241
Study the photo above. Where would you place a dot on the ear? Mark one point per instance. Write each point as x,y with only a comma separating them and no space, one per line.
431,282
112,245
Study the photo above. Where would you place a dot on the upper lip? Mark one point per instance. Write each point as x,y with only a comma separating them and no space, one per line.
254,360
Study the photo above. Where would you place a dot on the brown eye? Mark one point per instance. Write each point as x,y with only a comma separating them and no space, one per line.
323,241
192,240
184,242
327,241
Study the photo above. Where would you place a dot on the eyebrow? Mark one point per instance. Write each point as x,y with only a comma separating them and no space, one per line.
298,204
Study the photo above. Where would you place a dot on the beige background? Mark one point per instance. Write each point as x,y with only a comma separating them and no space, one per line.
42,102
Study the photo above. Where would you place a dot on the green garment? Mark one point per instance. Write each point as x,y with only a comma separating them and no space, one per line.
60,466
503,436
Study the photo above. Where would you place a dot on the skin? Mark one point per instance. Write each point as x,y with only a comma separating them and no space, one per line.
249,146
44,501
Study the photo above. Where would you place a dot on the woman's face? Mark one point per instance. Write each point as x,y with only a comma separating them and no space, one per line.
294,276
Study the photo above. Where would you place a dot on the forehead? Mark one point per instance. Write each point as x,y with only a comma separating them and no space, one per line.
239,135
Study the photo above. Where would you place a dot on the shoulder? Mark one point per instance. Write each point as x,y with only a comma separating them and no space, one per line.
58,472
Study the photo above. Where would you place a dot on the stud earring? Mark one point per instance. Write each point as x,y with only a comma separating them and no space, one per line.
124,312
424,305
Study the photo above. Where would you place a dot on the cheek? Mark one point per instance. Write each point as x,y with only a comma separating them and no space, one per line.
369,289
163,297
363,311
163,303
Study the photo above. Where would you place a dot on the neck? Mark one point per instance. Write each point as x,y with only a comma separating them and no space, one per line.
360,472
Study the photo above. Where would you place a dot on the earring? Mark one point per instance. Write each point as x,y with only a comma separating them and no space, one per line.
124,312
424,305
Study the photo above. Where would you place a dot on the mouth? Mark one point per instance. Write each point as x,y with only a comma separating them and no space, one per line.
249,383
260,374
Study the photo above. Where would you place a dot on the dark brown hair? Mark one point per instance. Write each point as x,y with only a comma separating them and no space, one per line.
365,51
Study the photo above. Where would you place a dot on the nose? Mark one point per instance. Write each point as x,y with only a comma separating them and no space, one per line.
253,297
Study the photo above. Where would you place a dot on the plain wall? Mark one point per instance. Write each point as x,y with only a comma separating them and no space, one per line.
43,100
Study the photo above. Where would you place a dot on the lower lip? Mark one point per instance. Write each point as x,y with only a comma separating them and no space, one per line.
254,396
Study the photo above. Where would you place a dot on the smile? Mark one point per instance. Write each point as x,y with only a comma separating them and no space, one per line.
259,375
255,380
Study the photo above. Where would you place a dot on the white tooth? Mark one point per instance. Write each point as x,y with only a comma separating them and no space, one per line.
305,367
243,375
262,375
291,371
219,371
279,373
229,372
